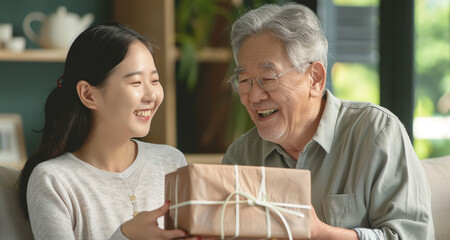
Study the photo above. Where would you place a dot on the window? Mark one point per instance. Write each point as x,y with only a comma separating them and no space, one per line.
432,78
351,27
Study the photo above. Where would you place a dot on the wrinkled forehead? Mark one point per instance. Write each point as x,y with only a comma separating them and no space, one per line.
263,66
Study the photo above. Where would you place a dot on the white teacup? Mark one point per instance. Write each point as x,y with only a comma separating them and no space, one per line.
16,44
6,32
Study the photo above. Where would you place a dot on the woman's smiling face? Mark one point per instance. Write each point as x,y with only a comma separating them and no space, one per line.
131,95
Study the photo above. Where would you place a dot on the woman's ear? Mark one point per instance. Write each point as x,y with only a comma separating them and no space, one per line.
86,94
318,79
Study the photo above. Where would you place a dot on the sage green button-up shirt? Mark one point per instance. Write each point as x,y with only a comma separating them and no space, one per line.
365,174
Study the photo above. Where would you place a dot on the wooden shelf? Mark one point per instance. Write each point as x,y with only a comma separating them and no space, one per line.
211,54
34,55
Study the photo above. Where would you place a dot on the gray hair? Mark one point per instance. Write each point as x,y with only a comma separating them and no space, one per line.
294,24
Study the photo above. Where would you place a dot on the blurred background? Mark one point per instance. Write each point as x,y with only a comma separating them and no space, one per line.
392,53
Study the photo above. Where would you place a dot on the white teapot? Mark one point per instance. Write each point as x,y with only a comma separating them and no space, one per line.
57,30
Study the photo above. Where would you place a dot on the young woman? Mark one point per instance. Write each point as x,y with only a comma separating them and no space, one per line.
89,179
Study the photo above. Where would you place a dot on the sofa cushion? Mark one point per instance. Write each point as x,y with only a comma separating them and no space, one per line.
438,173
13,224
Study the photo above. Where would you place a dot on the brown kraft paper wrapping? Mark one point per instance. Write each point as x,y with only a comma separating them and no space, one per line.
210,182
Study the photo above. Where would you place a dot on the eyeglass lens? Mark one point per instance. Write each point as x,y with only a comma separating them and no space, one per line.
244,85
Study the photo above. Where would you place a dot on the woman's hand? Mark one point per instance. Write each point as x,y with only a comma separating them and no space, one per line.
145,226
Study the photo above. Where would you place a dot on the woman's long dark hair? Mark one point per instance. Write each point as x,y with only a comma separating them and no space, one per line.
91,57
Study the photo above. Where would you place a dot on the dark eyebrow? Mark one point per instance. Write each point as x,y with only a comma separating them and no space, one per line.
137,73
132,74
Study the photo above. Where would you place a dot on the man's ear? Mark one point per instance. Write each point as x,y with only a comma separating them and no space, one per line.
86,94
318,79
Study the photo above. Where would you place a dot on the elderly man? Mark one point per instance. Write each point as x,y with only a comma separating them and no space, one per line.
366,180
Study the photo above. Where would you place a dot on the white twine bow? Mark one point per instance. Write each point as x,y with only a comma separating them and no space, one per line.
276,207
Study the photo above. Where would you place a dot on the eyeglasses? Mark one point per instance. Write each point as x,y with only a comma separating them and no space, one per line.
267,81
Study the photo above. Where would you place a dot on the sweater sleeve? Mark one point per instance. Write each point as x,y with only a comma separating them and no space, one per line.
49,207
118,235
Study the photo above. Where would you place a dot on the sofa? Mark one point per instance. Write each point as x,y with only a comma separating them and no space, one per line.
438,173
13,224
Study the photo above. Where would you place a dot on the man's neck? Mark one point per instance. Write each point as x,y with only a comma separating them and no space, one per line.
294,146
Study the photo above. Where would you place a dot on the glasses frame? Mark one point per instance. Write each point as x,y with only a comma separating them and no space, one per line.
259,81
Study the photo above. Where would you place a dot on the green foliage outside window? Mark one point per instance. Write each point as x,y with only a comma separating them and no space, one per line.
432,64
348,75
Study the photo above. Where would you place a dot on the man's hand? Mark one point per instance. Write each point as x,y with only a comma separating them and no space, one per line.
321,230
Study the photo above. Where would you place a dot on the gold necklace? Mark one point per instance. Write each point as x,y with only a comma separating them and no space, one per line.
132,196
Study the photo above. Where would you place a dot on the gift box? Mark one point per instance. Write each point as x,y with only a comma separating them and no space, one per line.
242,202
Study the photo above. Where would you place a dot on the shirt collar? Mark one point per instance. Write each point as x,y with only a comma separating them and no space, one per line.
268,147
325,130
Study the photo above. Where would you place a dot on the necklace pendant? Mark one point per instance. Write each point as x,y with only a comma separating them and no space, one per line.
133,197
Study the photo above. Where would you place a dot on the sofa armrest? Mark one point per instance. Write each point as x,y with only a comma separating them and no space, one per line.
13,224
438,173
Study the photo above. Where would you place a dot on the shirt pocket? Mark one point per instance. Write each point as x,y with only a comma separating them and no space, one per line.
339,210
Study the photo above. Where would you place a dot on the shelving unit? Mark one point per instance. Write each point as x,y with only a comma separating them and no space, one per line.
31,55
